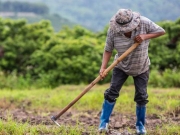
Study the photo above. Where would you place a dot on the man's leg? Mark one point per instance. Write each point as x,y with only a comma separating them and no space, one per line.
110,96
140,98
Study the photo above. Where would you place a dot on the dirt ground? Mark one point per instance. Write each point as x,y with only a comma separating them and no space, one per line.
118,123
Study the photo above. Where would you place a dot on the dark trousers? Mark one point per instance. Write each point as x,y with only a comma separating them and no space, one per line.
118,79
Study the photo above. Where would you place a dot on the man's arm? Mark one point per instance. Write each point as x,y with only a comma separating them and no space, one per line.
142,37
105,60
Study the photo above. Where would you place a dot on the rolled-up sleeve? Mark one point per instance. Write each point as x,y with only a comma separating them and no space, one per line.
109,45
154,28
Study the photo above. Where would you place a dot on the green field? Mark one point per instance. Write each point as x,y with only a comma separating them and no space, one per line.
27,112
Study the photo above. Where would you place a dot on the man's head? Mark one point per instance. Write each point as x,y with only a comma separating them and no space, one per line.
125,20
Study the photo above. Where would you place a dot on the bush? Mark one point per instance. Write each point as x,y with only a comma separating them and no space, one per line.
34,52
168,78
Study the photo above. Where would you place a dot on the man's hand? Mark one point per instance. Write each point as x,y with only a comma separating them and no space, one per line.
140,38
102,74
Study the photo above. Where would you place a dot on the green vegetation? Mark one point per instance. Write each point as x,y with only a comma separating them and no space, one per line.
13,128
33,12
162,102
36,56
95,15
38,61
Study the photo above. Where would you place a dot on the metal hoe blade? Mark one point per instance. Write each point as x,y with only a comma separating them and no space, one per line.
54,120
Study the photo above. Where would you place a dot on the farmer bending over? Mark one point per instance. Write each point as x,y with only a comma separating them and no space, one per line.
127,27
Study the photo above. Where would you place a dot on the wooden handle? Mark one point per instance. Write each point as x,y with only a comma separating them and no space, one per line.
127,52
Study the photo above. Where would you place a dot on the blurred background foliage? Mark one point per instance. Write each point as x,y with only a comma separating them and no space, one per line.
61,42
33,12
91,14
44,58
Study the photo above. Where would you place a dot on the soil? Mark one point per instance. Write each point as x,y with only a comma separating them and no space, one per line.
119,124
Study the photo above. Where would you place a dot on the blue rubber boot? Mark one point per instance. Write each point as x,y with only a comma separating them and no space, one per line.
105,114
140,114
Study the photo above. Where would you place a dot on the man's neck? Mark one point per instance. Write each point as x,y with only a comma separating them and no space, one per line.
128,34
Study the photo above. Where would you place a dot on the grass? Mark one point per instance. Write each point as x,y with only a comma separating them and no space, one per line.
166,130
161,102
13,128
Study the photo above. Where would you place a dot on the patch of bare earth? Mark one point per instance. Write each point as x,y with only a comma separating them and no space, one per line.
119,124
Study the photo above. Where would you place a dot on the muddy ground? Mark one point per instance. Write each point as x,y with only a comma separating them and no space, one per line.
118,123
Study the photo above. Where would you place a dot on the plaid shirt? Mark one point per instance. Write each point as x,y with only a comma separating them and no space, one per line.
138,61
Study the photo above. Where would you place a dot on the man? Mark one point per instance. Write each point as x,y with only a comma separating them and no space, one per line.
127,27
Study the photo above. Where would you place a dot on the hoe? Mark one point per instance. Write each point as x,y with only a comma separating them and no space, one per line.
127,52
